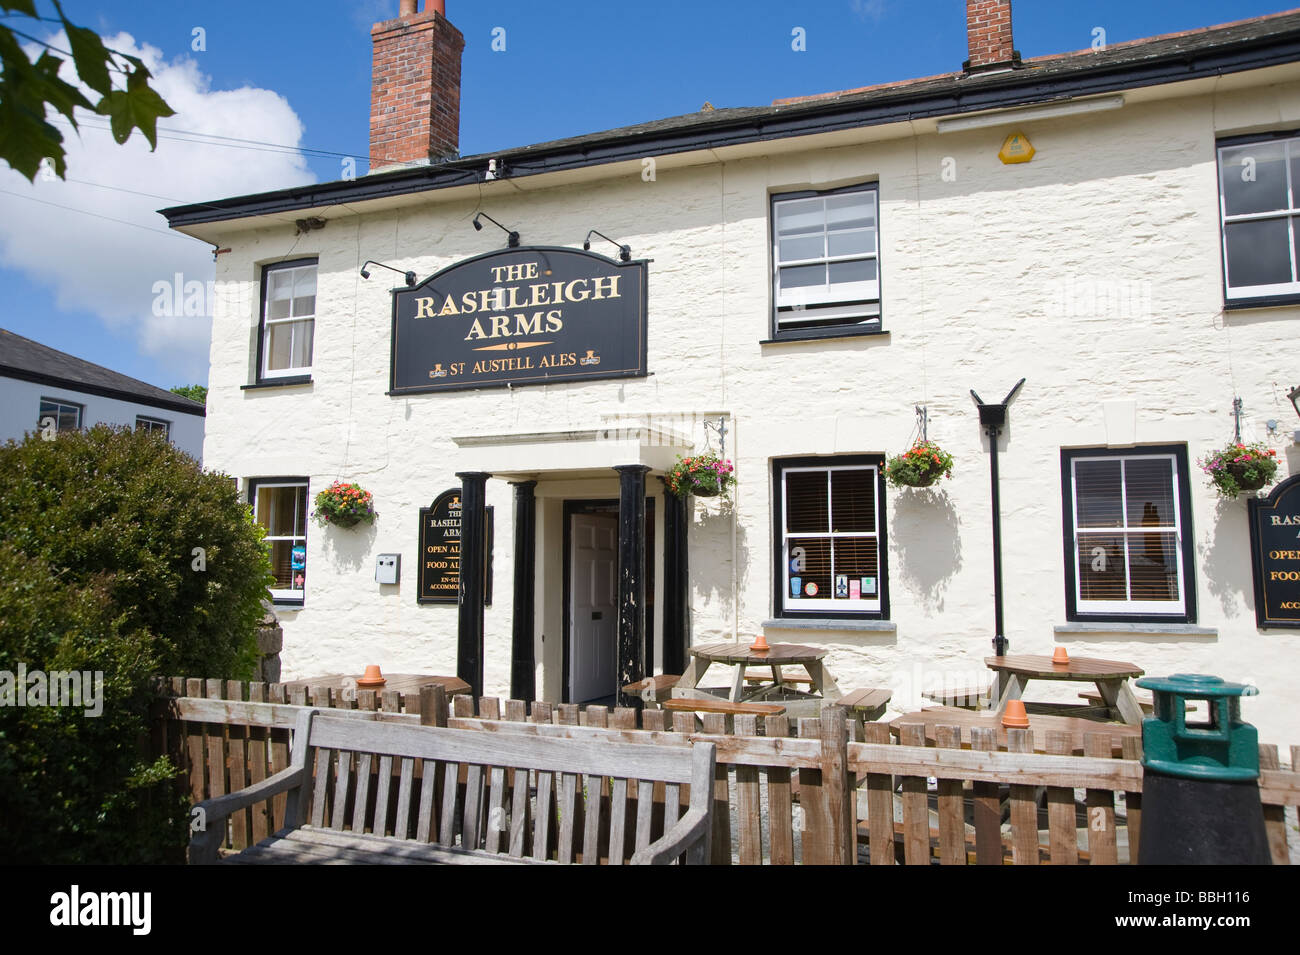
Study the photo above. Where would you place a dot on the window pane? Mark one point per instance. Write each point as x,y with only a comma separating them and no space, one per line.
69,418
853,211
800,216
852,243
863,270
278,308
803,276
1153,564
279,346
281,284
303,332
1253,178
803,247
853,501
1258,253
805,502
304,306
282,511
1102,567
813,570
856,560
1097,491
1150,492
304,282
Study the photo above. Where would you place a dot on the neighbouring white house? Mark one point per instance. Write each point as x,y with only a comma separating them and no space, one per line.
42,388
805,287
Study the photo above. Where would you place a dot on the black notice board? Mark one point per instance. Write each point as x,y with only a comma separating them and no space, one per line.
439,555
1275,555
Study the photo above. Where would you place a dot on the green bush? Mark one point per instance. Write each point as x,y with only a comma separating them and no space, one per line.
99,571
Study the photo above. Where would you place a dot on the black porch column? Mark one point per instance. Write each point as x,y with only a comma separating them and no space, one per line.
473,525
522,669
631,573
675,586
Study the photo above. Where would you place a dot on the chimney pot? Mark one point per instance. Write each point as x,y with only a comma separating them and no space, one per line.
406,8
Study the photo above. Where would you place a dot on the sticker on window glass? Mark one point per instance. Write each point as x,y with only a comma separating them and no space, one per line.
796,584
841,586
868,585
298,557
810,589
855,589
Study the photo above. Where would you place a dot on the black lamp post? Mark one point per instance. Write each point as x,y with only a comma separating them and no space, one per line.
992,418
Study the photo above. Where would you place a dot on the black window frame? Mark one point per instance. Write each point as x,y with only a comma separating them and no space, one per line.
1186,529
260,378
779,466
251,486
848,329
63,403
1257,301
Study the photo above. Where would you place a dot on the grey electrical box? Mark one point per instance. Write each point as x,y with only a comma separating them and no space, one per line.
388,568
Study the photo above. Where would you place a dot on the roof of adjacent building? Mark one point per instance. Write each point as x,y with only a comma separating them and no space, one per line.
27,360
1193,54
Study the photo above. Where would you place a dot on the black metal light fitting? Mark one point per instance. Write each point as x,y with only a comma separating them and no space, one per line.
512,236
409,276
624,251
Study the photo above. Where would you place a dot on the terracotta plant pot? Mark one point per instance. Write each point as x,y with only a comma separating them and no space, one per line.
372,677
1014,716
1060,657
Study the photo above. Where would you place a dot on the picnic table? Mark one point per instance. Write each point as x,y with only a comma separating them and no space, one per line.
404,683
742,656
1040,725
1011,673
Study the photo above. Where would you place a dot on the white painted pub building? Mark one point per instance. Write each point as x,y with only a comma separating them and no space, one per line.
786,285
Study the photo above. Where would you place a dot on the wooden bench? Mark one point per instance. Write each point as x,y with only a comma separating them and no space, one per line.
473,822
972,697
653,689
867,704
694,705
805,680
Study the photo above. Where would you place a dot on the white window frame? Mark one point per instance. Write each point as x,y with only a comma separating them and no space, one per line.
60,404
829,605
809,310
1128,607
278,594
1290,146
265,372
154,424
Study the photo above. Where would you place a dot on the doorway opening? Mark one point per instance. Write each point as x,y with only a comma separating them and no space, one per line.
591,600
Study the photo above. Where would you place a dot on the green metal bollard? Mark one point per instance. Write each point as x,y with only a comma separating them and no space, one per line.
1200,788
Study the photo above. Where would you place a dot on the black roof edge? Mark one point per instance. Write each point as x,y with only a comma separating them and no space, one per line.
181,404
1025,87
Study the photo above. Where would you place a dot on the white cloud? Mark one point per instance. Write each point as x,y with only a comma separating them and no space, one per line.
873,10
109,269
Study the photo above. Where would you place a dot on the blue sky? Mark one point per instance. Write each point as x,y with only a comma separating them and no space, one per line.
298,73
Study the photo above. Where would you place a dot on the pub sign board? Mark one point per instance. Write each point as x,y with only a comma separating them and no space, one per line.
524,316
439,572
1275,555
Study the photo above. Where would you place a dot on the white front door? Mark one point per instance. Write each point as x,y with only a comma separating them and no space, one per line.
593,610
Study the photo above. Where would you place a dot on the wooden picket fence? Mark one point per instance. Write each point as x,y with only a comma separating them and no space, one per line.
803,792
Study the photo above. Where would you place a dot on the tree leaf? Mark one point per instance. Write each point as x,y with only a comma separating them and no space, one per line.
136,107
26,139
22,6
90,57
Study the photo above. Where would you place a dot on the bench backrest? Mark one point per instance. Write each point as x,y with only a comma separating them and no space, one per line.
521,795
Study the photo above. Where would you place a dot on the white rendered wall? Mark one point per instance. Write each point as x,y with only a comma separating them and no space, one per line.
985,279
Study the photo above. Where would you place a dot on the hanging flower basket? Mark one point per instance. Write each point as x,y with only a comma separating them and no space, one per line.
1240,467
922,465
704,475
344,505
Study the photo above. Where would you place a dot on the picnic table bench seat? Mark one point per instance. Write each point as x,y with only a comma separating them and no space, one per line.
697,705
476,822
868,703
653,689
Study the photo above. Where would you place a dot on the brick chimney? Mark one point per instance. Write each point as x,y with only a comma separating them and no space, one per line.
988,36
415,87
